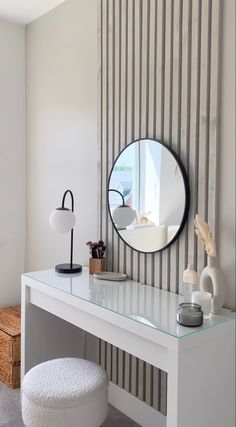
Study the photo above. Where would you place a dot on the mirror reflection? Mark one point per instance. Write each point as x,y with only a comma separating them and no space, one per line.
148,195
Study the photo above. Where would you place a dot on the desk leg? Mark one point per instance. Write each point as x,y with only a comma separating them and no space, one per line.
201,384
172,390
45,336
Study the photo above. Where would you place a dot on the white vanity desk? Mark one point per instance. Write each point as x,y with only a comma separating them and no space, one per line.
141,320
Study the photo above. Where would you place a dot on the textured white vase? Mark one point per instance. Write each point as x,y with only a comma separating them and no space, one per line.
212,280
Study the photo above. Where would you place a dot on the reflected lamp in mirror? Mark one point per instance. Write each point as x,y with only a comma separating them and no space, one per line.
62,220
123,215
153,183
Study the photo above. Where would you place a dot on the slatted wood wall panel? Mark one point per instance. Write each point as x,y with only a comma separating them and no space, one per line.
158,78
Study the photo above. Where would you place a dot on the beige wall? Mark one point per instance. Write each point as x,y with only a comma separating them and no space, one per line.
226,246
12,160
61,76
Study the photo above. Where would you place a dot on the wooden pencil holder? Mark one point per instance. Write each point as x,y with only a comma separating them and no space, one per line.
96,265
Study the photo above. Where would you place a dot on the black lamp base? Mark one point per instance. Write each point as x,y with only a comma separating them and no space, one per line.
67,269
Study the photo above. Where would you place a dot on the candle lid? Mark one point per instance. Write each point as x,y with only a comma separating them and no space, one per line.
191,306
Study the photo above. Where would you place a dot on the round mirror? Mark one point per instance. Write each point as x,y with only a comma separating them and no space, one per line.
148,195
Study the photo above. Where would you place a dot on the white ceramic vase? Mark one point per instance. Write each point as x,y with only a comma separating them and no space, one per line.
212,280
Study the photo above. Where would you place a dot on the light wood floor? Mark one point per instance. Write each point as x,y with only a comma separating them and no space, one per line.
10,411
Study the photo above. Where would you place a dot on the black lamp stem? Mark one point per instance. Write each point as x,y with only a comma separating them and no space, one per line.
71,247
116,191
72,199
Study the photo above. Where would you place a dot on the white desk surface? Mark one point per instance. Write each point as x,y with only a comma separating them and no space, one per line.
140,320
144,304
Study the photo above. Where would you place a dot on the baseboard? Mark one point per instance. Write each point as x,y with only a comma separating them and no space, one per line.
134,408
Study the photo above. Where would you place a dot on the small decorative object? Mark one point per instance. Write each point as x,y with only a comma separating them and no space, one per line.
62,220
211,276
143,218
97,260
189,314
190,283
204,300
123,215
110,275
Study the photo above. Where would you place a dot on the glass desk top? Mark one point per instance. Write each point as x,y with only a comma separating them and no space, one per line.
142,303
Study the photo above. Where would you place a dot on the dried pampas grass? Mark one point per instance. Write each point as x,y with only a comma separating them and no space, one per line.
204,234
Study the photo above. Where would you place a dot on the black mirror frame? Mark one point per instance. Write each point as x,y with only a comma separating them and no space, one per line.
186,187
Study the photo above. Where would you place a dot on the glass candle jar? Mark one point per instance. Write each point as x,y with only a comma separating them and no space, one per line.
189,314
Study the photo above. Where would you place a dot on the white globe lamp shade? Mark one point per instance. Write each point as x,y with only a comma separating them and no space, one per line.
123,216
62,220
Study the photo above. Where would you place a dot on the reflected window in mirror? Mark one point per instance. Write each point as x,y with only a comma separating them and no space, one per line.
153,183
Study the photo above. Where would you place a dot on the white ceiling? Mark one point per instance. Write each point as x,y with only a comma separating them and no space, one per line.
24,11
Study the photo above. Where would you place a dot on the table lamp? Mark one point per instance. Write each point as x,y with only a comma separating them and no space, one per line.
62,220
123,215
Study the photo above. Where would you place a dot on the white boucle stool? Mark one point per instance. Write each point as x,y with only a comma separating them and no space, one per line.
65,392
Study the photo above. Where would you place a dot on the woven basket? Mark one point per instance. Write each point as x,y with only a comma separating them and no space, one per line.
10,346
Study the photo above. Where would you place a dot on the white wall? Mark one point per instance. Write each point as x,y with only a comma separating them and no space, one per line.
226,246
61,76
12,160
172,191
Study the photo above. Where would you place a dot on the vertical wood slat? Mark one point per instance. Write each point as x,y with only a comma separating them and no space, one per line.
129,100
151,41
203,123
123,103
176,119
213,187
116,142
159,81
142,121
110,118
103,354
156,388
136,106
185,120
194,120
151,60
99,109
158,77
104,125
